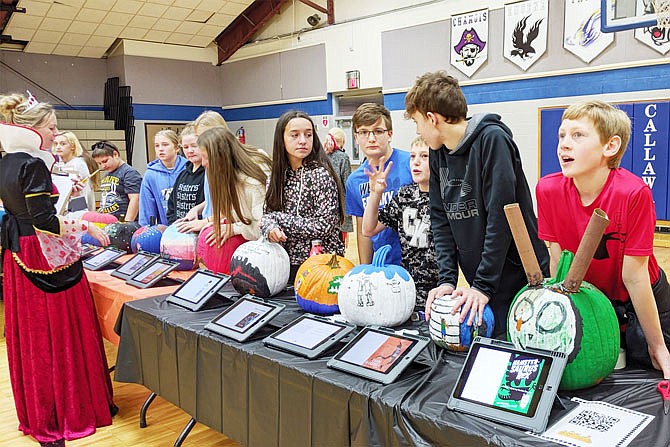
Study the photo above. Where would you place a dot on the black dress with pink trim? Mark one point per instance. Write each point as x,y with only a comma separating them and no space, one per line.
57,362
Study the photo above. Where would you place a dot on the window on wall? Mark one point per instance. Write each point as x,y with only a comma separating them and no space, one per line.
344,105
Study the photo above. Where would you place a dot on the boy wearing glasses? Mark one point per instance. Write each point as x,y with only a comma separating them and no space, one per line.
121,186
475,170
373,131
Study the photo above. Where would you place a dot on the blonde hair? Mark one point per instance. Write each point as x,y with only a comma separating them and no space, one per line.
170,135
188,129
74,142
14,109
339,136
209,119
608,121
228,160
418,141
79,151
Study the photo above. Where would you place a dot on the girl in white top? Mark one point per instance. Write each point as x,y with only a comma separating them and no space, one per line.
72,161
237,178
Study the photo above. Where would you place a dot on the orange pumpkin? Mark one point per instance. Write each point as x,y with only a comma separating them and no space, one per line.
318,282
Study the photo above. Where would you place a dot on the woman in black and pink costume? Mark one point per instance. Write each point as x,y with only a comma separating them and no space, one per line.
57,364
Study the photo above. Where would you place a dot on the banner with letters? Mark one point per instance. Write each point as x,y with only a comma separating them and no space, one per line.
469,35
525,32
646,155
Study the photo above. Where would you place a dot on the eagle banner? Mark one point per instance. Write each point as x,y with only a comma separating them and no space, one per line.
526,31
582,35
469,34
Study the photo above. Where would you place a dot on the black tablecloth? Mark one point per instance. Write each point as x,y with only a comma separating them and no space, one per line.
259,396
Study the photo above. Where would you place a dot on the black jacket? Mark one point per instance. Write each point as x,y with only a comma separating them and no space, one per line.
187,192
469,187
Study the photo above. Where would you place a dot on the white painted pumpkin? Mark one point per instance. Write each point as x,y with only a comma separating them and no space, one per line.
260,268
377,293
446,330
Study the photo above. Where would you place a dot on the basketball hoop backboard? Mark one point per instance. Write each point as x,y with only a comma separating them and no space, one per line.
619,15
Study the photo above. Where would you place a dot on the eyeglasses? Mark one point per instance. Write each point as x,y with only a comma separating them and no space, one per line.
366,133
102,145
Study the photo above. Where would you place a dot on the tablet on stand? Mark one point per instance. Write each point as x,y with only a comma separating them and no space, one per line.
309,335
134,264
152,273
103,259
87,250
244,318
196,291
379,353
508,385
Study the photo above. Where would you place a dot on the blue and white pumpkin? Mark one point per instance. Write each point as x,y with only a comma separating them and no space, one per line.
446,330
378,293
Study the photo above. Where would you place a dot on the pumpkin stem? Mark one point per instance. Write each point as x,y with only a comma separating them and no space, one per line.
379,258
333,263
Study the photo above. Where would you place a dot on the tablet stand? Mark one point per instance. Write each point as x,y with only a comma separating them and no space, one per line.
167,281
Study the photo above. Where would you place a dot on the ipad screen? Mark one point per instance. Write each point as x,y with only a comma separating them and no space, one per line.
377,351
135,264
102,258
152,272
242,317
197,287
505,380
308,333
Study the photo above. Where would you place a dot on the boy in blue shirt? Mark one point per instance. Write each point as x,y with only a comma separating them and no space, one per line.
373,130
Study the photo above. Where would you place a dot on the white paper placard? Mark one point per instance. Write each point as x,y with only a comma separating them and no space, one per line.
595,423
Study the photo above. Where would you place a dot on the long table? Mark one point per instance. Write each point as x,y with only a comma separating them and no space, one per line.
258,396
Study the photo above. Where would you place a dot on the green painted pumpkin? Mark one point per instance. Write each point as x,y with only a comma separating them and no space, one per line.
582,325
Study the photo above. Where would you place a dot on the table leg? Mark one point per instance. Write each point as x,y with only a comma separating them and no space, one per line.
184,433
145,407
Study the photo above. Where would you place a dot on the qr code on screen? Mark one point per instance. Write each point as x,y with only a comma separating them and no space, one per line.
594,420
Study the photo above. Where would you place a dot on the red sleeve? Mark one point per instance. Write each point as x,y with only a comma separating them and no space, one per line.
545,213
641,224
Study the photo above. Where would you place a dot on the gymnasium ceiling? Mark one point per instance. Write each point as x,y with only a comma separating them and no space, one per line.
91,28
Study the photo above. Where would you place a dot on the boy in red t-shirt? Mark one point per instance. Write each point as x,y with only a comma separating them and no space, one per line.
591,141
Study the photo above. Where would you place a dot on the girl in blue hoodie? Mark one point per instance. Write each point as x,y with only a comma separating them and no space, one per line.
160,177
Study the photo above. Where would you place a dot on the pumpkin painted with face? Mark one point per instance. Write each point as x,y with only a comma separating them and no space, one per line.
377,293
582,325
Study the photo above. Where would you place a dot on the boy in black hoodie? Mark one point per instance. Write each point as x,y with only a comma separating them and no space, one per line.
475,170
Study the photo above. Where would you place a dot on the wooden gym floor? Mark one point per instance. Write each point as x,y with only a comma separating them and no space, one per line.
165,421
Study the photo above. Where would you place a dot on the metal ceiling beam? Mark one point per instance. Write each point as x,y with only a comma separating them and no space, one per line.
245,26
253,19
329,10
